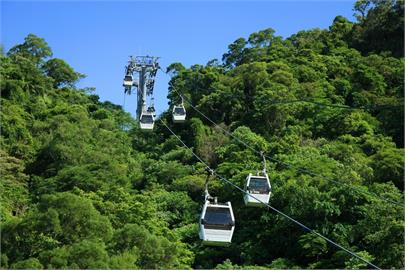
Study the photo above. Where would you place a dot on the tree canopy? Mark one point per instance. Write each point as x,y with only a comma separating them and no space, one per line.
82,187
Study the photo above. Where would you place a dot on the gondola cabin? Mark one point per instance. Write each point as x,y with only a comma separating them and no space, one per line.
217,224
128,81
179,114
147,121
259,187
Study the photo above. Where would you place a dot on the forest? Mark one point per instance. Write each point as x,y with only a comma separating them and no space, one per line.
82,187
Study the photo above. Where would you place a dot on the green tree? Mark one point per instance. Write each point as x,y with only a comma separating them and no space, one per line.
234,55
34,48
380,27
31,263
61,73
88,255
14,199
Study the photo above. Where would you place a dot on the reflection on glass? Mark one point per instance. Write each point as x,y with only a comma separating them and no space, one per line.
147,119
217,216
259,185
179,111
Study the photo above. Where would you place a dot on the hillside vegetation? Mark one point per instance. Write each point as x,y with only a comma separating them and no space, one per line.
82,187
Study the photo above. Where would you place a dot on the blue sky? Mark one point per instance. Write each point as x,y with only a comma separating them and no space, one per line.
97,37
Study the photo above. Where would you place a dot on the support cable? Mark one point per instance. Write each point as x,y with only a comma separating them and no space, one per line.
303,170
271,207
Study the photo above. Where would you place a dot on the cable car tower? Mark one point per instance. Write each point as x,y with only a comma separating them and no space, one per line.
140,73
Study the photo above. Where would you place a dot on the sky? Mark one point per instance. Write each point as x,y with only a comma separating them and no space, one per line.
97,37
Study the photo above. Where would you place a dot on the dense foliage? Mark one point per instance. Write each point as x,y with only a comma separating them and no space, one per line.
83,187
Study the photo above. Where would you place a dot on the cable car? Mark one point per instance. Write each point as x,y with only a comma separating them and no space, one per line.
147,121
179,114
128,81
259,187
217,224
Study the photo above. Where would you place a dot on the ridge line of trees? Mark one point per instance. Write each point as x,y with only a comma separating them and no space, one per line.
82,187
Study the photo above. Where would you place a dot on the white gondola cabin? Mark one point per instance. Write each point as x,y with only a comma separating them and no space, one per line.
259,187
147,121
179,114
128,81
217,224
